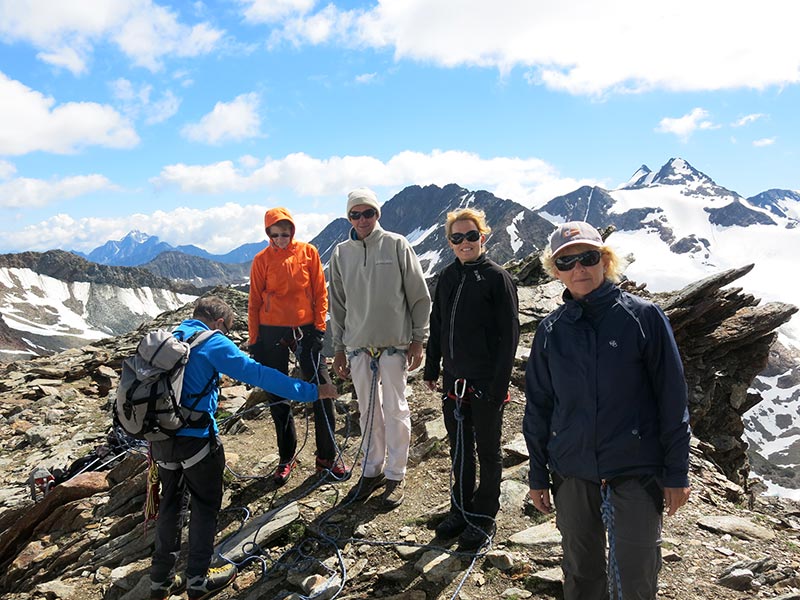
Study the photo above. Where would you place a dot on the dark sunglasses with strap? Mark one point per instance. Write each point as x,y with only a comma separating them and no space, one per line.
588,259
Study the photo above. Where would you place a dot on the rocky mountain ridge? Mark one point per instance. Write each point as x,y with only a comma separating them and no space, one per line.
55,300
85,539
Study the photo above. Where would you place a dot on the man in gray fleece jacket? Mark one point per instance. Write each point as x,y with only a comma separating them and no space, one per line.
380,307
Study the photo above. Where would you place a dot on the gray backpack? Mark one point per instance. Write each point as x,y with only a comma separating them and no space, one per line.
148,403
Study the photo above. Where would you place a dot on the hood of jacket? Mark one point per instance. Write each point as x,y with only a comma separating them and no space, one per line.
273,215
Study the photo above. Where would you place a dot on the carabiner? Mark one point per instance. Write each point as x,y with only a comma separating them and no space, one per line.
463,384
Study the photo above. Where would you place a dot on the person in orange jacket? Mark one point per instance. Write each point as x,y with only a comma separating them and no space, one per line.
287,308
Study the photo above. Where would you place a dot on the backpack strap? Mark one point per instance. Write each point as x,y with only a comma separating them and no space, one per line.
194,340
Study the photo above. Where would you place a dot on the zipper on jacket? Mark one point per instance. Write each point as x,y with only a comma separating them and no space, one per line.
453,314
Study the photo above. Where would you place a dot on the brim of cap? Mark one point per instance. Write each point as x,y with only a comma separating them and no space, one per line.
575,243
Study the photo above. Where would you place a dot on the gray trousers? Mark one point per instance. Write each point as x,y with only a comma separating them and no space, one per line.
636,533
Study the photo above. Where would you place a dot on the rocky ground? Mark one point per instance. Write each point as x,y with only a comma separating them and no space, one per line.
86,539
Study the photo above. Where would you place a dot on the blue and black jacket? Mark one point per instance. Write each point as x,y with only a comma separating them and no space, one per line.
606,394
217,355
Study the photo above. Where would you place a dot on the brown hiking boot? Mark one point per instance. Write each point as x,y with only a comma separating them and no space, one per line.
364,487
394,494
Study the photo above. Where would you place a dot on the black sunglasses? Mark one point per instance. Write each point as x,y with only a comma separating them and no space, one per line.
588,259
355,215
275,236
471,236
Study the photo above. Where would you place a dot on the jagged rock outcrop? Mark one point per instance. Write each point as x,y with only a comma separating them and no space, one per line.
724,336
86,538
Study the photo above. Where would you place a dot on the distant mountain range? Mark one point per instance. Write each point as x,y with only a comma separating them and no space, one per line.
138,248
675,225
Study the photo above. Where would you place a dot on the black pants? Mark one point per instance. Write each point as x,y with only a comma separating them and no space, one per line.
272,350
203,482
481,430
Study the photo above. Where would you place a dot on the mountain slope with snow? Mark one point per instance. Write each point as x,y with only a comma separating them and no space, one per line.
55,300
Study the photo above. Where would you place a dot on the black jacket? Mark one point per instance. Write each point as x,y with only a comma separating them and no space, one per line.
474,325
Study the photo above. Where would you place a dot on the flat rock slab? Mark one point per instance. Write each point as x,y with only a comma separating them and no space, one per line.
737,526
544,534
259,532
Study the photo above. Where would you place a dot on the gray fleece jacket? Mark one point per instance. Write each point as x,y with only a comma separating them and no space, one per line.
378,295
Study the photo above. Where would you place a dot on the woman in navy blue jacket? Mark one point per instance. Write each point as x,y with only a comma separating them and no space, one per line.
474,332
607,420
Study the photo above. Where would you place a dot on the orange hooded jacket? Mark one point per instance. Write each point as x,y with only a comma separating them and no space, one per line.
287,286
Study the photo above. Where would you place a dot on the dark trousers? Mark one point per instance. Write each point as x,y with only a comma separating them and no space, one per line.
203,482
272,350
481,430
637,537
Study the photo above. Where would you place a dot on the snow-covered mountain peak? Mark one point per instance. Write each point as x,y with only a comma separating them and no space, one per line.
677,172
642,178
136,236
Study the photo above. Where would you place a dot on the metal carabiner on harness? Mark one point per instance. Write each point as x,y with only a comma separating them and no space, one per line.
460,393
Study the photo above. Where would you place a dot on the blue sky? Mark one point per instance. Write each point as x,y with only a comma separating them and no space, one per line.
187,120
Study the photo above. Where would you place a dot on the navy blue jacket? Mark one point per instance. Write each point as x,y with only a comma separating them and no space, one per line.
218,354
474,325
606,393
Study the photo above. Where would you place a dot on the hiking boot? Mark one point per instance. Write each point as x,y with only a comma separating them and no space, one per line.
283,471
475,537
215,580
337,468
160,590
364,487
451,526
394,494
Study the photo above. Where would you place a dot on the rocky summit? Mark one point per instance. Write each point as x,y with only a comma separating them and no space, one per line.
86,536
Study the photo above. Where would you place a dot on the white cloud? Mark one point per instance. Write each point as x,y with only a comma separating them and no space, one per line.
204,228
747,119
30,121
686,125
764,142
7,169
23,192
529,181
161,110
66,33
366,77
138,102
268,11
236,120
582,46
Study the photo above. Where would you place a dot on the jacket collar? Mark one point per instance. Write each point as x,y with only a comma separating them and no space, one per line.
474,264
593,303
371,239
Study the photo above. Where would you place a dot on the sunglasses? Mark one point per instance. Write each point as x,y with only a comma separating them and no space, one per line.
471,236
588,259
275,236
355,215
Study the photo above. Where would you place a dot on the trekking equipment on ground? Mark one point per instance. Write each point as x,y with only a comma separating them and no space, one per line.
148,403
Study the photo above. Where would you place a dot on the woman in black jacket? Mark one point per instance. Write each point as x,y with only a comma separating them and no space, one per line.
475,332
